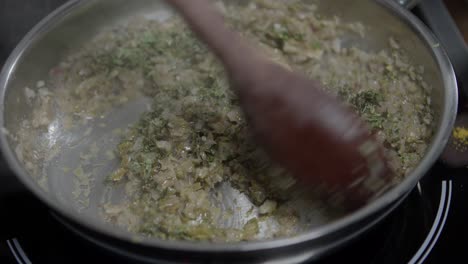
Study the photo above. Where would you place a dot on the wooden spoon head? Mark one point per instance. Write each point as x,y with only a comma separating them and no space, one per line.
309,132
319,139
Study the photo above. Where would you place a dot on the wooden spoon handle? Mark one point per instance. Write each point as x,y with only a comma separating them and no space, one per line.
208,24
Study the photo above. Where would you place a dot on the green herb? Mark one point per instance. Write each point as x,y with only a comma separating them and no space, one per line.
366,103
193,141
316,45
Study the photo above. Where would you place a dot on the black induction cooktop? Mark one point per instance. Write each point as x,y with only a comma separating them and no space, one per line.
430,225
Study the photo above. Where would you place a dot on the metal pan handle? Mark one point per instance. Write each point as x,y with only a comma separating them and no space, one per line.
408,3
435,14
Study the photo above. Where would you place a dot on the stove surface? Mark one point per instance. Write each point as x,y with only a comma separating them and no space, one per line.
430,226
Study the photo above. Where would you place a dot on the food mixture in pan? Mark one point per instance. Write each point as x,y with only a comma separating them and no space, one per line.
176,161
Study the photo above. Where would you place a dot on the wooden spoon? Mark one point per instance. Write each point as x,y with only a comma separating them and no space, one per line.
320,140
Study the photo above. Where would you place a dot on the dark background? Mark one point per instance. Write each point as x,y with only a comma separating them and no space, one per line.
14,24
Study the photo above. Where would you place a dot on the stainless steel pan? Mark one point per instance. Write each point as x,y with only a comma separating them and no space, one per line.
55,148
